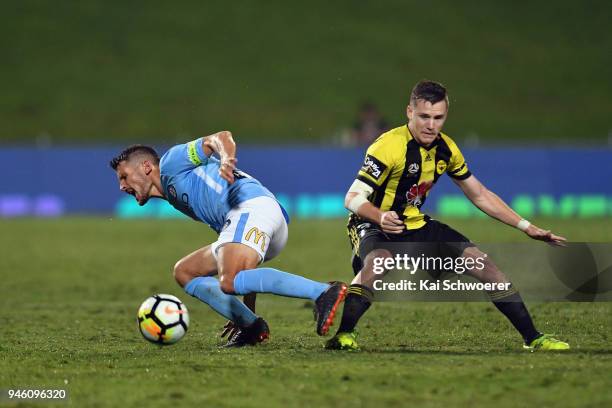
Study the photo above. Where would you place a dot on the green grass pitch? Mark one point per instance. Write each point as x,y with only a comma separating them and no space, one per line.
71,287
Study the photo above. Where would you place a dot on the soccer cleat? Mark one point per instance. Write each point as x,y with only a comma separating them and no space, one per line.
326,306
546,342
343,341
258,332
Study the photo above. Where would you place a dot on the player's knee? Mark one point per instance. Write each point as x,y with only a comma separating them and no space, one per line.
379,253
227,285
491,273
180,273
375,260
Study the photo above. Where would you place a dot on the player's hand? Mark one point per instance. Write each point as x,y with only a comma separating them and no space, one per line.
229,329
391,223
226,171
545,235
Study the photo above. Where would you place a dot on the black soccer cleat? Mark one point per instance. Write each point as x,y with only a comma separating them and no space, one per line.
326,306
258,332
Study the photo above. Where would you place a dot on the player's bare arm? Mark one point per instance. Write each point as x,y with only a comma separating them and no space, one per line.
223,144
495,207
356,201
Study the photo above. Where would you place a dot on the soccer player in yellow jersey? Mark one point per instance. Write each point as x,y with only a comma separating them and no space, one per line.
399,171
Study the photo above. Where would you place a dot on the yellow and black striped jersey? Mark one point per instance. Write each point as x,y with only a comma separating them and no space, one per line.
402,172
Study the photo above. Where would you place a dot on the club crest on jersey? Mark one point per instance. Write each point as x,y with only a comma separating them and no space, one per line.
441,166
413,168
373,167
416,195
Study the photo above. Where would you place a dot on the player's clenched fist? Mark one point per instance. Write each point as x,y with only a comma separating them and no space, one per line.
391,223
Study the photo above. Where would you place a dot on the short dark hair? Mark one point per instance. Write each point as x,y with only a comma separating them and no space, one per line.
429,91
134,150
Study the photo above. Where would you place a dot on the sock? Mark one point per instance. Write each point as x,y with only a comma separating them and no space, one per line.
357,302
207,289
269,280
510,303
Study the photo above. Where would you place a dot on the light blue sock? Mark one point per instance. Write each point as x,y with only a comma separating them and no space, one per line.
207,289
269,280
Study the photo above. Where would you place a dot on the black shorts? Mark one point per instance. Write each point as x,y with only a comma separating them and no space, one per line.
434,239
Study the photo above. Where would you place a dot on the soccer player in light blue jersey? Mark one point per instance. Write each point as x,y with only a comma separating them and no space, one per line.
251,223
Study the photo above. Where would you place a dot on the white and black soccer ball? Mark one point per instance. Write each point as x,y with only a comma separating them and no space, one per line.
163,319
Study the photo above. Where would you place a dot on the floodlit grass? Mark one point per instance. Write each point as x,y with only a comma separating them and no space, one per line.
71,287
277,71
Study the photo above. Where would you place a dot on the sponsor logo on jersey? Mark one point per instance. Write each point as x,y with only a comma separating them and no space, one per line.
427,157
373,167
441,166
415,196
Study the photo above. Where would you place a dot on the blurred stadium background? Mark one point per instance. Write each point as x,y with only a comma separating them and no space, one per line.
83,79
530,90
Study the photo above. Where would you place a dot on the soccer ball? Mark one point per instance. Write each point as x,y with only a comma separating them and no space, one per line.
163,319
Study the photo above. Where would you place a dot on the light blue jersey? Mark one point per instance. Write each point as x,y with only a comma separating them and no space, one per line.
192,185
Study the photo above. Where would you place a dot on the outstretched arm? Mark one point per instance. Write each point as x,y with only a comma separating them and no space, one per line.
495,207
223,144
